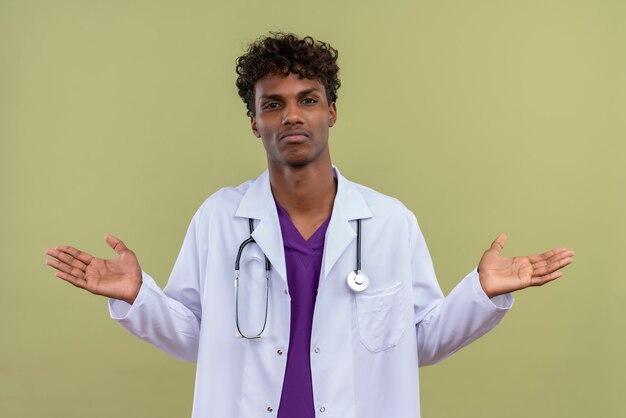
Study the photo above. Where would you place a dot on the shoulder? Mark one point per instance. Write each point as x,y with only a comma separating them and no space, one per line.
384,207
224,201
375,198
379,203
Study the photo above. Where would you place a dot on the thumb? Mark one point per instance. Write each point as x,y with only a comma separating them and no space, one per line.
498,244
115,243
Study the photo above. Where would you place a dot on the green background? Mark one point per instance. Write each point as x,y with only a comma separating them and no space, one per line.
481,116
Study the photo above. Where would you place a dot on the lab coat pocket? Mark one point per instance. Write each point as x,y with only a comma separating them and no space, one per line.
380,317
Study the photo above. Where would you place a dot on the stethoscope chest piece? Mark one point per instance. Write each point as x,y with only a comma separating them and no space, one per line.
358,281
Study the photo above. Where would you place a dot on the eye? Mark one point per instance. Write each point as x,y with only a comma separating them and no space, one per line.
271,105
309,100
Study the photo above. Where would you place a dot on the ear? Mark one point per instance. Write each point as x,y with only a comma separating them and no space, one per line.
255,131
332,111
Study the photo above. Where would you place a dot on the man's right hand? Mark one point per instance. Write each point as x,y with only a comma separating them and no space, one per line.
119,278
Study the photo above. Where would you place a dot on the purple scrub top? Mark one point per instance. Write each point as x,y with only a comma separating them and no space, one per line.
304,262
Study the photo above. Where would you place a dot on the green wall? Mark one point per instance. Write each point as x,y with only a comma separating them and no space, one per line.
482,116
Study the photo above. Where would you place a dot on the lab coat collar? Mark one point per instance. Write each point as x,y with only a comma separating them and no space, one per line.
258,203
349,205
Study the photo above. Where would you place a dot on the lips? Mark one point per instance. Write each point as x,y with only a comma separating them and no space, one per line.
296,135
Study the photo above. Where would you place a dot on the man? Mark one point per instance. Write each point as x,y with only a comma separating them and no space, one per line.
336,303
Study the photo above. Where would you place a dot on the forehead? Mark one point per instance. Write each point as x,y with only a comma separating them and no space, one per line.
289,85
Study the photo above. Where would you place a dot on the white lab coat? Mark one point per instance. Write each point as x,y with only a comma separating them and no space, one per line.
365,347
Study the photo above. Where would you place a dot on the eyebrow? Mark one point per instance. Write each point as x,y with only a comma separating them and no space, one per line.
300,94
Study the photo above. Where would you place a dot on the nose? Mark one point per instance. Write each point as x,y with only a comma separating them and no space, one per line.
292,115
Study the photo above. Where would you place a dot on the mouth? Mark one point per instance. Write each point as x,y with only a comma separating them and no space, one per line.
295,136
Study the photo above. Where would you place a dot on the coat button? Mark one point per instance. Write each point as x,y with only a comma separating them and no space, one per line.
286,292
317,350
269,409
279,352
322,409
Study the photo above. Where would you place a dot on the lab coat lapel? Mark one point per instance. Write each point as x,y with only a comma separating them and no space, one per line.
258,203
349,205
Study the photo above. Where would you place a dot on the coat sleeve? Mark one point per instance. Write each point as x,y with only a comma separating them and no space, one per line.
170,318
447,324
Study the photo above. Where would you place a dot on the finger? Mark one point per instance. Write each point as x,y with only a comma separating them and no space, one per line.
498,244
550,254
77,254
554,259
535,258
71,279
539,281
65,268
67,258
115,243
561,255
540,262
552,266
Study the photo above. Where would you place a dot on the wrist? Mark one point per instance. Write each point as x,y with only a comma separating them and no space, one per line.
132,295
486,288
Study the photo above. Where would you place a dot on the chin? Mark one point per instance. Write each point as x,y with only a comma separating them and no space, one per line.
297,161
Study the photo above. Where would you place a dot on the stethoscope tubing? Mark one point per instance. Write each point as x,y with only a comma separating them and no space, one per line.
357,280
251,240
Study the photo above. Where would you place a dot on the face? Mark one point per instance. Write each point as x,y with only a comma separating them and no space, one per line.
292,117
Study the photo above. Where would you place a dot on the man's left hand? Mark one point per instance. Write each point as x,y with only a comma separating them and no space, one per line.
499,274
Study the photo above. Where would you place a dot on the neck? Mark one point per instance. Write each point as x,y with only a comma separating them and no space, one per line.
306,193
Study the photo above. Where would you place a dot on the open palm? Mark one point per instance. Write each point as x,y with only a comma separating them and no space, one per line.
499,274
118,278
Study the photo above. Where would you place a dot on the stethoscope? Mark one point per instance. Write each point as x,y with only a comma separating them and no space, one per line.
357,280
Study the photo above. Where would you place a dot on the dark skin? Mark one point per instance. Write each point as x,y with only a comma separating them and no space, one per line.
293,117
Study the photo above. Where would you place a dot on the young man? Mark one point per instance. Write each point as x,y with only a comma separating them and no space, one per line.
333,278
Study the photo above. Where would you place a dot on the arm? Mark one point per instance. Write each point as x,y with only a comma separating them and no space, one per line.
168,319
445,325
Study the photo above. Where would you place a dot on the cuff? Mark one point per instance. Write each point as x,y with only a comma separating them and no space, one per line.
500,302
118,309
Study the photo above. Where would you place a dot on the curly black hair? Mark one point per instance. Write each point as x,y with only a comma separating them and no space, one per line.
285,53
